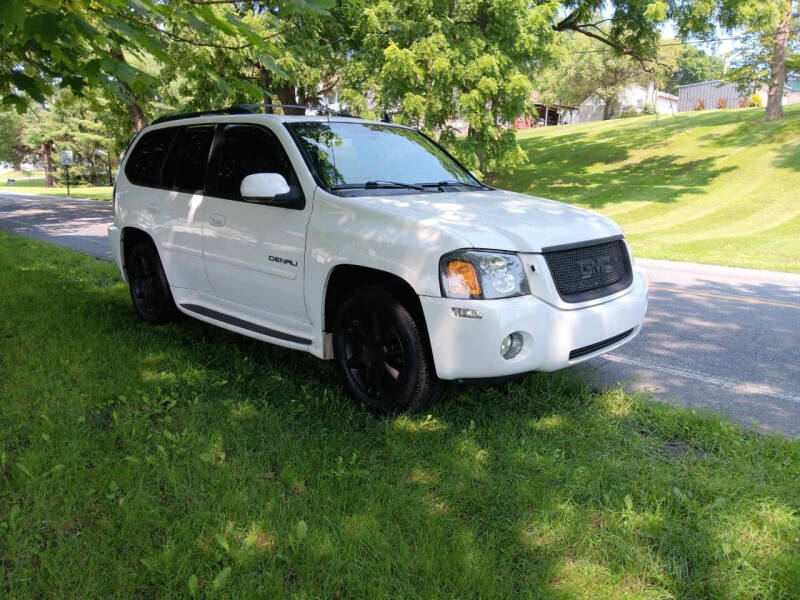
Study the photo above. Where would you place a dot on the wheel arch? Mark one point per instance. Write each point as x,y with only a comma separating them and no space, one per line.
345,278
131,236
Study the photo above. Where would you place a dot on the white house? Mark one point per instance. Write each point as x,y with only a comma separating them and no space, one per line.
633,99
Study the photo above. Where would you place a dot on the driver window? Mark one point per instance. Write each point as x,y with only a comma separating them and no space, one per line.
245,150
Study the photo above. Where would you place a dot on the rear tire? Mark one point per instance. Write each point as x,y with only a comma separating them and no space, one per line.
150,291
382,354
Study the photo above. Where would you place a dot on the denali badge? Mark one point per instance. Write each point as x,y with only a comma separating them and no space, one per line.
595,266
285,261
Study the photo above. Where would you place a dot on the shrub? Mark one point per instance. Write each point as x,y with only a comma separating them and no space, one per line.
743,102
700,104
756,100
722,103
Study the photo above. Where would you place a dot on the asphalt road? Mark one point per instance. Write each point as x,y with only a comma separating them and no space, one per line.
715,337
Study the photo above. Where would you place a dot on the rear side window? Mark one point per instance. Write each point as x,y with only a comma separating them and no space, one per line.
191,159
144,165
247,149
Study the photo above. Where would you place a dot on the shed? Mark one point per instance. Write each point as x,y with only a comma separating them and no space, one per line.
710,92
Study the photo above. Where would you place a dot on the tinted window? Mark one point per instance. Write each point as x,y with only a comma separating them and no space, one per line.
144,165
247,150
192,156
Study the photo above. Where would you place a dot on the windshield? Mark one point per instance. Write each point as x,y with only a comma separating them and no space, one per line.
351,156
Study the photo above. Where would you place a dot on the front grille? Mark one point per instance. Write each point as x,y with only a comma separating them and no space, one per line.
590,270
578,352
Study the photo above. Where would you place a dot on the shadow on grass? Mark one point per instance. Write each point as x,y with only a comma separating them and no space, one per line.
579,166
202,449
566,173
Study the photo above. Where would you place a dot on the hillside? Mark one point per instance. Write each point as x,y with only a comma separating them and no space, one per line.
715,187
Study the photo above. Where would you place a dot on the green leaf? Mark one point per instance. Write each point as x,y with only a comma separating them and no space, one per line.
221,579
194,586
25,470
12,15
222,542
302,530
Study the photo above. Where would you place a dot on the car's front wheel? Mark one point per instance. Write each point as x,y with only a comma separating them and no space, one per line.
381,353
150,291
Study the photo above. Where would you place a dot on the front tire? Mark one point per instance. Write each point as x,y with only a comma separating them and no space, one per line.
381,353
150,291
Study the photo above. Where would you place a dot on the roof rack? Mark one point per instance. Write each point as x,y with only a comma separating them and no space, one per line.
320,108
233,110
248,109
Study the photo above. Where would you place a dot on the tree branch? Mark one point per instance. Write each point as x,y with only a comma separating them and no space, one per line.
181,39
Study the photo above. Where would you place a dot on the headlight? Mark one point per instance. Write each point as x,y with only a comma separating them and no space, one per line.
478,274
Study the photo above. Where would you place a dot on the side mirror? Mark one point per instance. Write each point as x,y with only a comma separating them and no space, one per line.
259,187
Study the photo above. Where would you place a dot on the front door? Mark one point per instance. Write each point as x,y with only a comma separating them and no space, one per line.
253,252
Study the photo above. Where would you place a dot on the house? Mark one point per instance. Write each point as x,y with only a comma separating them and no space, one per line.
631,100
792,95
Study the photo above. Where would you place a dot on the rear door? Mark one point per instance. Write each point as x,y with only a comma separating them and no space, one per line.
173,216
182,212
254,253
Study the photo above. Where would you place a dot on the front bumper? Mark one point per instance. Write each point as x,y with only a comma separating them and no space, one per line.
467,348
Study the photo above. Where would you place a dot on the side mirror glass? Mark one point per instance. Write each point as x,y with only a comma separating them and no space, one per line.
260,187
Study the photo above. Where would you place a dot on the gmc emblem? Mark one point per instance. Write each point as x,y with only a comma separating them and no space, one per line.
595,266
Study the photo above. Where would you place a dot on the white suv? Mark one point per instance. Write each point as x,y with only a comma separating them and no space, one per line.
367,243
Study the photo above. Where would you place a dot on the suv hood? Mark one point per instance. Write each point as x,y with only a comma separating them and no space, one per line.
499,220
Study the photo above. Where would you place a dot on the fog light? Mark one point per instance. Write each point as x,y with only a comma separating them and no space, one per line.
511,346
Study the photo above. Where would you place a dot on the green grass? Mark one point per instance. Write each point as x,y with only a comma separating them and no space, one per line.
37,187
33,182
4,177
716,187
134,459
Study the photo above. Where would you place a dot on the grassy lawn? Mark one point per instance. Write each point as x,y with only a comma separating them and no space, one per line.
715,187
19,175
32,182
141,461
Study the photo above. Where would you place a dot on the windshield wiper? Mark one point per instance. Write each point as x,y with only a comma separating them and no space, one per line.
378,185
452,182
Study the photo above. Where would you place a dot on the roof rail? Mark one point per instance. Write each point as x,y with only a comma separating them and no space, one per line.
320,108
233,110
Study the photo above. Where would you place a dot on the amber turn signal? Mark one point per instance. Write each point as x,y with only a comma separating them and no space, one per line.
462,280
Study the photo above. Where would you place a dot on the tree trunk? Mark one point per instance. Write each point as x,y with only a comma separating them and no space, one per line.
136,112
288,95
46,150
608,110
777,79
129,98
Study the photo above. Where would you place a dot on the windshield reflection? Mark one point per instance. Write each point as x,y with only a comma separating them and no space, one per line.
370,155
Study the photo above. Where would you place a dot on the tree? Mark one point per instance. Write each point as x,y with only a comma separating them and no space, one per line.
88,43
768,58
11,150
632,28
692,65
587,67
39,136
433,62
308,51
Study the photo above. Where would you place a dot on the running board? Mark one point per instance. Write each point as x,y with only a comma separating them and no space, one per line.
241,323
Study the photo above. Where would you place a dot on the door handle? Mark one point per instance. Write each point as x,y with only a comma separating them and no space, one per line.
216,220
153,209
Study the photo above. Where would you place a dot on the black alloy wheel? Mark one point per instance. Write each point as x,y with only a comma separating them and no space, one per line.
381,354
150,291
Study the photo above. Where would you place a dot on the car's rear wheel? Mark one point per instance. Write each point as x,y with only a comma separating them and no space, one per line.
150,291
381,353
